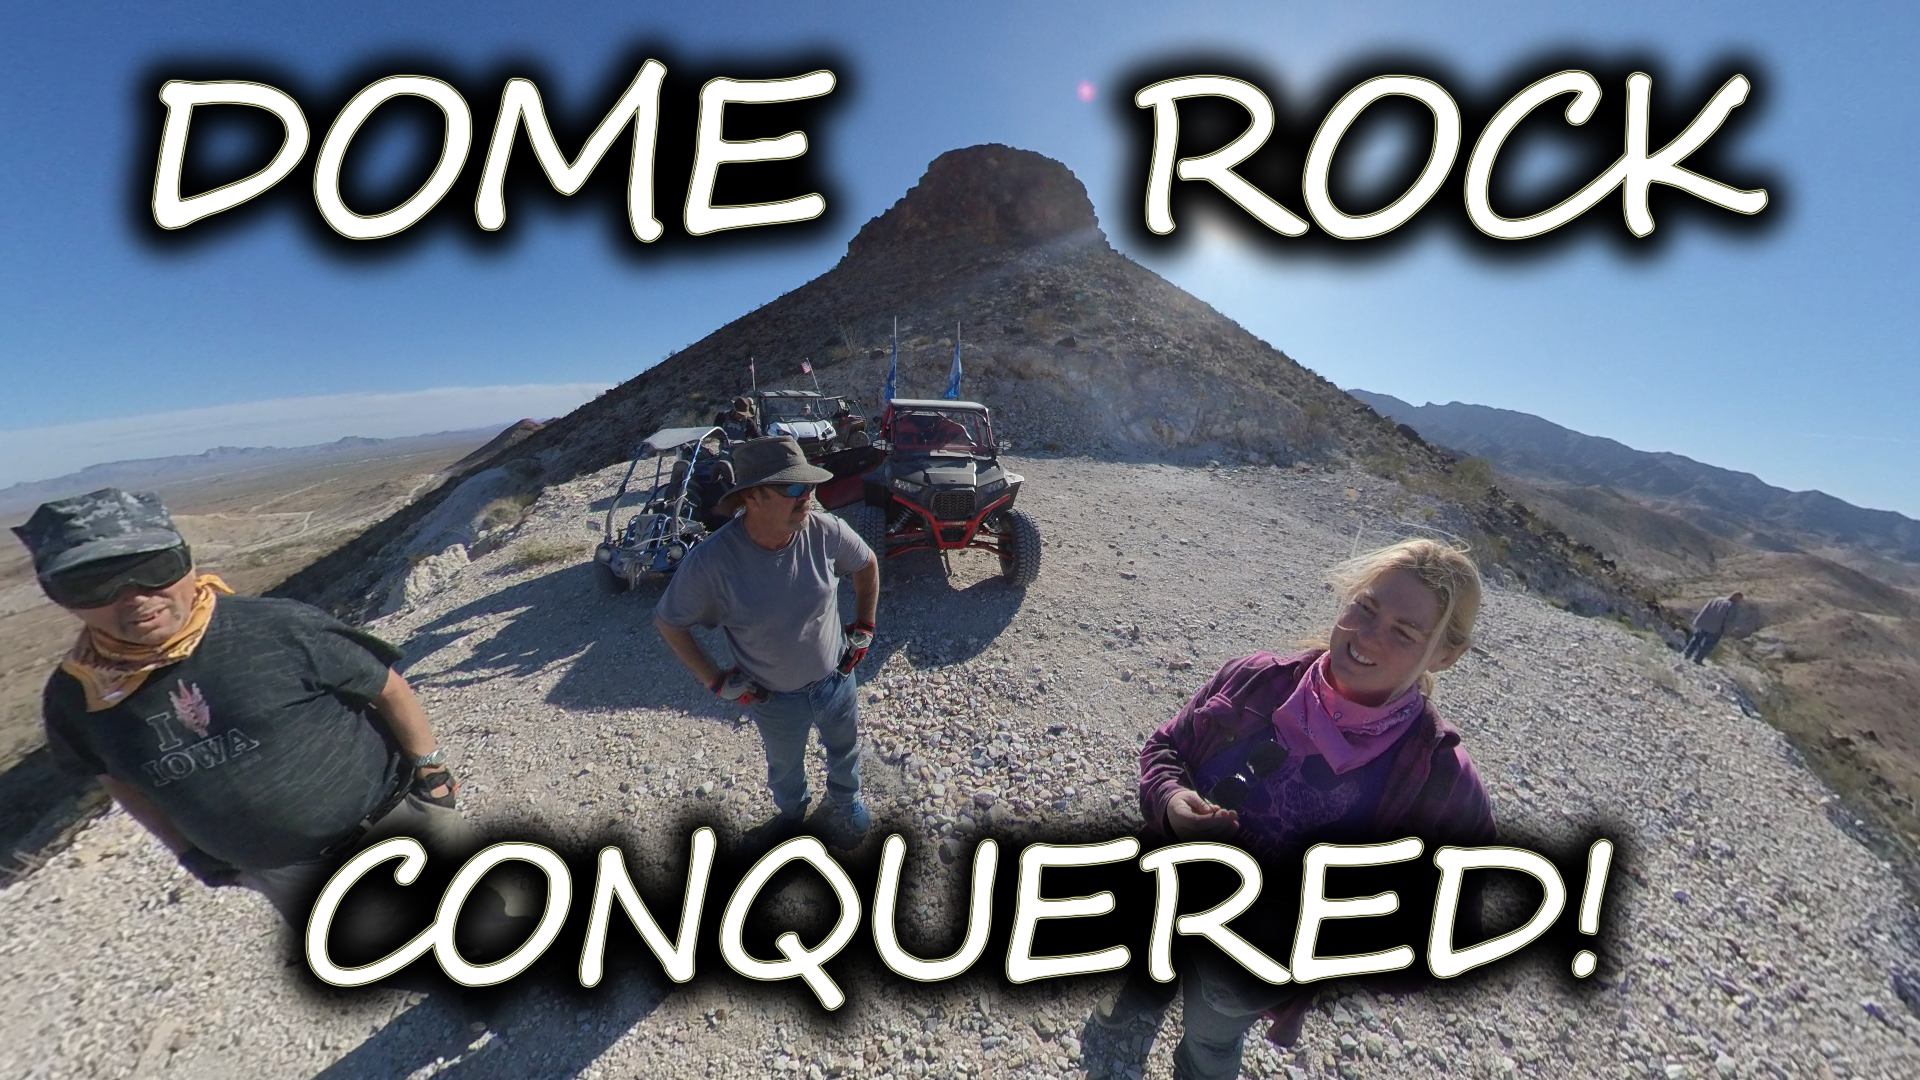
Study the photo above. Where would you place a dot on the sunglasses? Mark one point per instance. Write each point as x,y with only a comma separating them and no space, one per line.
792,491
97,584
1266,758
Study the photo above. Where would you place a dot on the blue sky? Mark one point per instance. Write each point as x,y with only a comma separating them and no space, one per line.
1789,354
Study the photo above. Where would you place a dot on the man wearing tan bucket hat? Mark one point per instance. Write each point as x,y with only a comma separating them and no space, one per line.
769,578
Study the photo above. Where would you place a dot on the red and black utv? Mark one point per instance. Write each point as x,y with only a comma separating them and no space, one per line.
942,488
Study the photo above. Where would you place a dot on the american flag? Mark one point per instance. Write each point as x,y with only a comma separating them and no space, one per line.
806,367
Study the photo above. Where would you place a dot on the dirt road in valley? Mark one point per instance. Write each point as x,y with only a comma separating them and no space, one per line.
1753,936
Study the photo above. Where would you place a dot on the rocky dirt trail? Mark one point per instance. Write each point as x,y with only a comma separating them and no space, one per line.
1751,937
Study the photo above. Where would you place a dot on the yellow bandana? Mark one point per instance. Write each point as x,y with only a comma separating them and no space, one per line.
109,669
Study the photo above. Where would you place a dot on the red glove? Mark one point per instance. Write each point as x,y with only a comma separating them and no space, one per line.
737,686
859,640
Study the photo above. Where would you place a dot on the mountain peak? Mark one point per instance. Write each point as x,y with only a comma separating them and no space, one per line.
991,196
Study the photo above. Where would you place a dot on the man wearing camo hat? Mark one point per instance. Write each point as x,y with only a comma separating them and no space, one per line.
260,740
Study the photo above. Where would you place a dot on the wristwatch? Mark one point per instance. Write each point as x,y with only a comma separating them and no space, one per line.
438,757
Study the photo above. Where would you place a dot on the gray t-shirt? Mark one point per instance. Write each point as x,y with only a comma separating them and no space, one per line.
262,747
778,608
1714,617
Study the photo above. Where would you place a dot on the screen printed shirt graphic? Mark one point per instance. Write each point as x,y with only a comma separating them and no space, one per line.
1302,803
261,747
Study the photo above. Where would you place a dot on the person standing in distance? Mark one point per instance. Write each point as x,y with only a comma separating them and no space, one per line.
1709,626
769,578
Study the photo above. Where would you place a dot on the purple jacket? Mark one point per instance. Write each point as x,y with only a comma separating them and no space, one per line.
1432,789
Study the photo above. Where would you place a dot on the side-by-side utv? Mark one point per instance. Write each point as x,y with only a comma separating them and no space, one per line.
942,488
819,423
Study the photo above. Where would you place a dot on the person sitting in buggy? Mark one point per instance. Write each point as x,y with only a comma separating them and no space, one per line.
712,479
852,429
680,506
738,424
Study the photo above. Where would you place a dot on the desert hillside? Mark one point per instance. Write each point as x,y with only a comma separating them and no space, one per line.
1735,505
1193,486
1078,349
1829,640
1751,935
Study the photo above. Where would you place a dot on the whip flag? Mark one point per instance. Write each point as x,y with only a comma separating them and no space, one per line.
953,377
893,365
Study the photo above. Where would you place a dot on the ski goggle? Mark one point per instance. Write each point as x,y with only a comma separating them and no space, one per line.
97,584
1229,792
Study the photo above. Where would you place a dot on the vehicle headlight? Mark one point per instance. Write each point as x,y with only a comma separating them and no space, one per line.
997,485
906,485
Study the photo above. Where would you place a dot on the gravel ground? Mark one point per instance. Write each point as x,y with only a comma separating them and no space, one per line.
1752,936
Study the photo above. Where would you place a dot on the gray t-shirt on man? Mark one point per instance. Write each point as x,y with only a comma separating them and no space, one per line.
1714,617
778,608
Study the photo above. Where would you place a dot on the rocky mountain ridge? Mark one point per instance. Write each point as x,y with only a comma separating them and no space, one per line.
146,474
1748,934
1734,505
1078,349
1828,638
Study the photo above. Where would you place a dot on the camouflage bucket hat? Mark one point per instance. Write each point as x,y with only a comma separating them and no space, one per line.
104,524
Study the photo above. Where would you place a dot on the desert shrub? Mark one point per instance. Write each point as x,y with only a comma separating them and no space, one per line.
1473,472
1314,427
542,553
1465,481
1386,465
507,511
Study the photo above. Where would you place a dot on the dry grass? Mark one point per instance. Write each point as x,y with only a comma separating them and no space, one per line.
535,553
506,512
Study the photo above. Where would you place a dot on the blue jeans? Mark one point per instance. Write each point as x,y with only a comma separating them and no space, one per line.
1219,1004
784,720
1700,645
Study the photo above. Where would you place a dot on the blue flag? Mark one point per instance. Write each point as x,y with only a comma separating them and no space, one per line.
953,377
893,366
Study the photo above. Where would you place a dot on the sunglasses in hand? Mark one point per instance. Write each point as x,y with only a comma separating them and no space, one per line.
1266,758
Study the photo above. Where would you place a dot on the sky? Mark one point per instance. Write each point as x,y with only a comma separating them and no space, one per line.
1785,351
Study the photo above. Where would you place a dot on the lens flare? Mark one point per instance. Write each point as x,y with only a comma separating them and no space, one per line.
1086,90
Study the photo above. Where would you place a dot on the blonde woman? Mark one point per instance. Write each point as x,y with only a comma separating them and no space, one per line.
1338,743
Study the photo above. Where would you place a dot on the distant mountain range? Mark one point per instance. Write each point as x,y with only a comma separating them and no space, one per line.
1732,505
151,474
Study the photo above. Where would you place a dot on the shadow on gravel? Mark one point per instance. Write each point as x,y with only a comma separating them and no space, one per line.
545,1036
618,661
940,619
39,804
616,658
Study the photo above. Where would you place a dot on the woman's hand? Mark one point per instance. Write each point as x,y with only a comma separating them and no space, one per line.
1194,818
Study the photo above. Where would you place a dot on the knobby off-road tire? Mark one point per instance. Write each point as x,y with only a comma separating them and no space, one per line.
1020,550
610,582
871,523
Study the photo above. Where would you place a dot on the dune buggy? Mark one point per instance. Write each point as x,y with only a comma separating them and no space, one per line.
942,488
690,474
